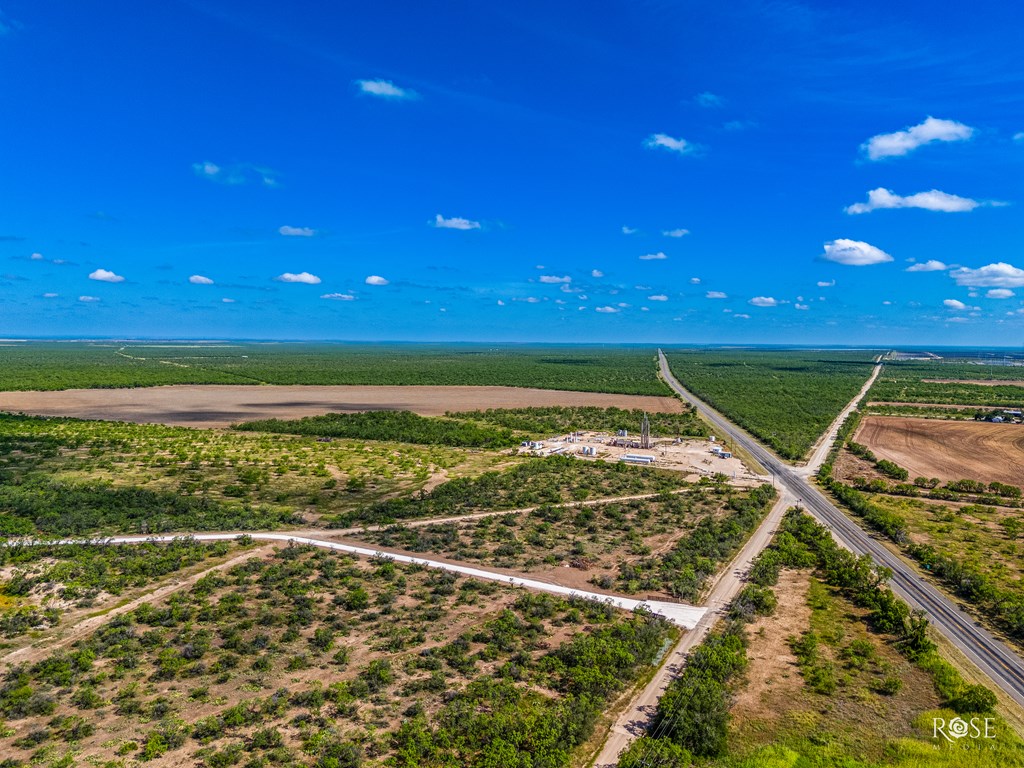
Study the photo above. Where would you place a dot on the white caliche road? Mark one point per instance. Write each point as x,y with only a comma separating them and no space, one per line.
633,721
993,657
686,616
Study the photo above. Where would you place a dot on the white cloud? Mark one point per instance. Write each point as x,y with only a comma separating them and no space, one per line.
675,232
957,305
999,275
623,304
301,277
664,141
200,280
607,310
658,297
88,299
228,301
36,257
596,273
694,281
901,142
653,256
854,253
715,295
239,173
801,306
385,89
932,265
105,276
555,279
763,301
708,99
629,230
376,280
50,295
1019,137
932,200
296,231
338,296
456,222
742,316
501,303
1000,293
826,283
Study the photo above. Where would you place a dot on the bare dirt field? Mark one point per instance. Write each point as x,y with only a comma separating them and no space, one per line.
773,671
948,450
209,406
979,382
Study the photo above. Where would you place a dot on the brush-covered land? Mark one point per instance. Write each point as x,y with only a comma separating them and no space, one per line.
494,428
48,366
670,544
530,483
311,658
71,477
951,383
786,398
819,665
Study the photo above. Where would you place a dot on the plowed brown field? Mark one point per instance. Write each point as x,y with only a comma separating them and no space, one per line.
223,405
948,450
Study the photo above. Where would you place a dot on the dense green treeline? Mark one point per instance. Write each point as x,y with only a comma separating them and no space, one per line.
629,370
697,556
397,426
552,480
561,419
906,382
787,398
38,506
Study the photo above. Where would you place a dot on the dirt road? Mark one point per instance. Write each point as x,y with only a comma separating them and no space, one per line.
633,721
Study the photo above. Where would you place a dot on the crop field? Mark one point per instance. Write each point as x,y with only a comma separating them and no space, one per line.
952,383
63,476
311,658
948,450
208,406
786,398
819,665
597,368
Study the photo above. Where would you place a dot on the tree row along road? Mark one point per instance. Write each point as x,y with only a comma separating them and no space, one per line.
993,657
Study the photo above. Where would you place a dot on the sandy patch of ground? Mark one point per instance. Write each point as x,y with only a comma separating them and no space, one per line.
222,405
773,667
948,450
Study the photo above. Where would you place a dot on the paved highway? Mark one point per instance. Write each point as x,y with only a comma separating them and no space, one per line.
993,657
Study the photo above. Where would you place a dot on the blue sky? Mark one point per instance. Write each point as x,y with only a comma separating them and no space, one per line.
792,172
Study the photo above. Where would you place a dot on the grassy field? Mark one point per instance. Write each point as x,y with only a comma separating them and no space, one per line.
626,370
311,658
787,398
